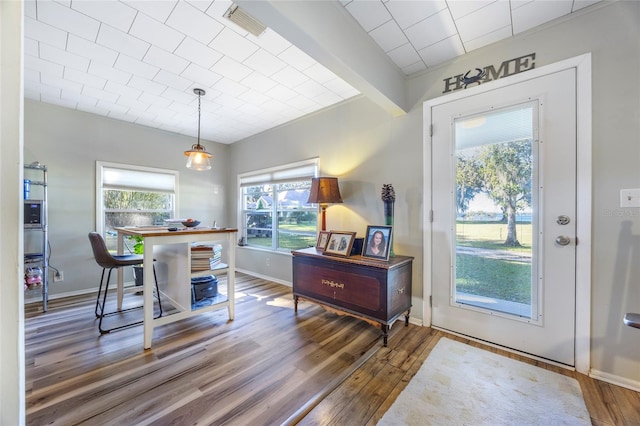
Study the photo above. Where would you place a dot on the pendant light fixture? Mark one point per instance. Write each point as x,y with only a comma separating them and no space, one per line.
198,155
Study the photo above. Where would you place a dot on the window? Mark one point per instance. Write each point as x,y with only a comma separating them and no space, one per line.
275,212
132,196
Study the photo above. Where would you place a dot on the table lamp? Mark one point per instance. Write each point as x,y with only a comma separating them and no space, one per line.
324,190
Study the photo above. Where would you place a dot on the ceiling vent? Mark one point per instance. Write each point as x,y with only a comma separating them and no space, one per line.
244,20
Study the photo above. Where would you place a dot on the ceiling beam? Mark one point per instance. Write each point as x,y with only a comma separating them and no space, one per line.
328,33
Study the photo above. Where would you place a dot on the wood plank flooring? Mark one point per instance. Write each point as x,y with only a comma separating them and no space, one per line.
267,367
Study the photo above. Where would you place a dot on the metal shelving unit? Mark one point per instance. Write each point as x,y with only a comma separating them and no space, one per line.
41,256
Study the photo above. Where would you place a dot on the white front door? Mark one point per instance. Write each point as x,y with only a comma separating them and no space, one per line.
504,216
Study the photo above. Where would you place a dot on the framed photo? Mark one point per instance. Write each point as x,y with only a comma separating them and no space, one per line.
377,242
323,238
339,243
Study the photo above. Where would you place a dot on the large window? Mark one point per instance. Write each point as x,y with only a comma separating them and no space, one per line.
275,212
132,196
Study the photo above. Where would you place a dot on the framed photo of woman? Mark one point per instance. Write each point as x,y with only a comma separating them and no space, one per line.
323,238
340,243
376,242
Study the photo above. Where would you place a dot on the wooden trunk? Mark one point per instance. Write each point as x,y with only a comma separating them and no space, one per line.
377,291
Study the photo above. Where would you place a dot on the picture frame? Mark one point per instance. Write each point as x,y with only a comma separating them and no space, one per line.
339,243
370,250
323,239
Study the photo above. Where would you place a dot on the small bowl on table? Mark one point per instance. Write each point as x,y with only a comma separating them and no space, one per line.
191,224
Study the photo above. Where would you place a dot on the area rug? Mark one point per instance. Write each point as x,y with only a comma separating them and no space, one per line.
462,385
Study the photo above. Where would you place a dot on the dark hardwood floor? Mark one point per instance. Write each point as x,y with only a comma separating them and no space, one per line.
267,367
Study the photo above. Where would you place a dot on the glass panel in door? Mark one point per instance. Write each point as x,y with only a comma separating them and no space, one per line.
495,200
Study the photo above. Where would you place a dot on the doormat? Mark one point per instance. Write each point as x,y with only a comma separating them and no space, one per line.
459,384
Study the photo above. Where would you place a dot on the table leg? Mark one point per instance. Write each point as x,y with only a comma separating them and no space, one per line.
120,273
231,276
148,285
385,334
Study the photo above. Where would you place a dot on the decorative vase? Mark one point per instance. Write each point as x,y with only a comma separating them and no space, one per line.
388,220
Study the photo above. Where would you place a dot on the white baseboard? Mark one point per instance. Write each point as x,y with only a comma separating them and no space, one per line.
264,277
634,385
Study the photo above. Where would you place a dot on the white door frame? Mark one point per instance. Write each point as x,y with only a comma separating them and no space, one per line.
582,64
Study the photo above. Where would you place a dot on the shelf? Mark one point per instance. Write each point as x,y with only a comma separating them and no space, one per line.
41,255
221,268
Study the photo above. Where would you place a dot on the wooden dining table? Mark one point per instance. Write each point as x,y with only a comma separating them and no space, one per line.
171,251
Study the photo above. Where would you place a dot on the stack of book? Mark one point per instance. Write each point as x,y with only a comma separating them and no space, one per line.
205,257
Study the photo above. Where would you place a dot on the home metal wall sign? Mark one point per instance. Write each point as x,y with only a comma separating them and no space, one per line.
478,76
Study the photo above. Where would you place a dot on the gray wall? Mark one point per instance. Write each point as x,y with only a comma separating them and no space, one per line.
70,142
366,147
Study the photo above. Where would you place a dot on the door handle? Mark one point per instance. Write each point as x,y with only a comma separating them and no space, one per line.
563,240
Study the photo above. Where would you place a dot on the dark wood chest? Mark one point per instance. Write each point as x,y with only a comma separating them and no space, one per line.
378,291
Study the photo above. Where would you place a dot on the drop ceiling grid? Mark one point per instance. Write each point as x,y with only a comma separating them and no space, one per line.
160,59
138,61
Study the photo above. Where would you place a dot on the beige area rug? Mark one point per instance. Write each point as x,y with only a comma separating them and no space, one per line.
462,385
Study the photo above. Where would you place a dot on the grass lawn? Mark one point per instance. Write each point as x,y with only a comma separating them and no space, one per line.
491,235
498,278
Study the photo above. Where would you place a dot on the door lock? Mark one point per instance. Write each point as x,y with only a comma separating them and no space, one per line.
563,219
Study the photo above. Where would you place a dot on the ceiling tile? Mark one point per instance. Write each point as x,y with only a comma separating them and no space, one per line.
404,55
233,45
154,32
264,62
487,39
135,67
172,80
200,76
442,51
369,14
88,49
157,9
484,21
147,87
148,95
320,73
229,87
64,18
296,58
272,42
84,78
259,82
389,36
290,77
281,93
165,60
122,90
461,8
408,13
113,13
192,22
537,12
31,47
231,69
40,31
109,73
122,42
431,30
64,58
62,83
99,94
197,53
